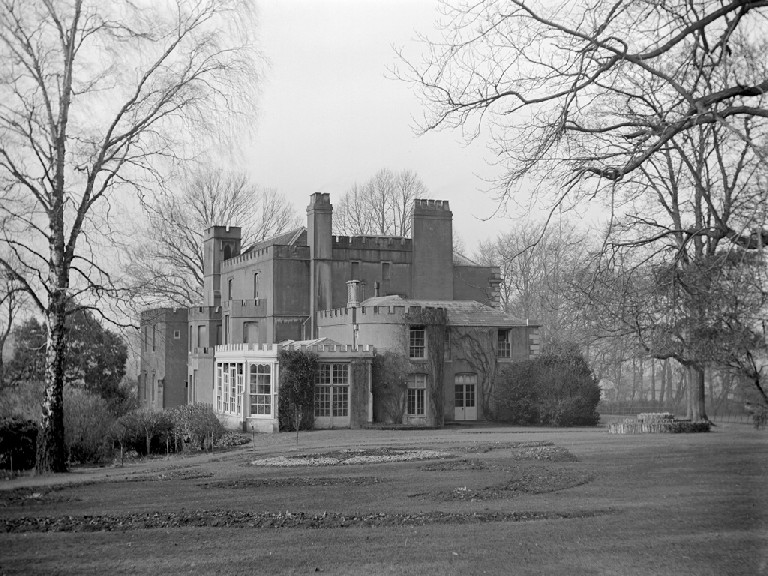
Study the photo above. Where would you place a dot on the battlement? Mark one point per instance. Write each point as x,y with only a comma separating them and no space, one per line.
202,352
243,308
275,251
372,242
429,205
245,257
223,232
339,349
395,311
152,315
197,313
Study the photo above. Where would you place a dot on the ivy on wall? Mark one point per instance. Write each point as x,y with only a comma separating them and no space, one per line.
296,397
358,401
390,382
477,347
435,322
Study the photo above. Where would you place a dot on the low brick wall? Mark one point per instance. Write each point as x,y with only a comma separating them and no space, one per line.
656,424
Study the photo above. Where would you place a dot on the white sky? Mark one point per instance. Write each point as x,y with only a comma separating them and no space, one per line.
330,116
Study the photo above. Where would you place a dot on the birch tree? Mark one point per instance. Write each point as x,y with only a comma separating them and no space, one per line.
92,95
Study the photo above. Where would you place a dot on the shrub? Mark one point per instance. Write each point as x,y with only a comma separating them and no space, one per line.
197,423
87,421
18,439
22,400
298,370
230,439
144,430
515,398
684,427
556,389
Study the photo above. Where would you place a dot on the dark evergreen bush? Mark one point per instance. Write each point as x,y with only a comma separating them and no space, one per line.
296,396
18,439
686,427
555,389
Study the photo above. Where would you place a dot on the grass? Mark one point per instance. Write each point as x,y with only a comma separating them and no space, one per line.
505,501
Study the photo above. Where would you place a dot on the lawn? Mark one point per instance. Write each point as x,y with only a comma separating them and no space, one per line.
469,500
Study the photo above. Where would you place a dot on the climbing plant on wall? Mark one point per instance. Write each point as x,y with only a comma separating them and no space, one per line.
390,373
477,346
435,322
358,399
298,370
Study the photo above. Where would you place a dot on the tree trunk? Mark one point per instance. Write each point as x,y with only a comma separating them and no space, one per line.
51,450
696,390
653,381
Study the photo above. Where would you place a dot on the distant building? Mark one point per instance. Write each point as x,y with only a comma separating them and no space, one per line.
344,298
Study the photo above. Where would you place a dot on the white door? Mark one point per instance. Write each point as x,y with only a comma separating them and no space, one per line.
466,397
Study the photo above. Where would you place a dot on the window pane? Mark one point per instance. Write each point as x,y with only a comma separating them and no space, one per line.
504,345
416,342
341,400
469,395
323,374
416,397
341,373
322,401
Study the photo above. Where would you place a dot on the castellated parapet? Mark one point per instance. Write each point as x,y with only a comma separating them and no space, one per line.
372,242
369,314
325,349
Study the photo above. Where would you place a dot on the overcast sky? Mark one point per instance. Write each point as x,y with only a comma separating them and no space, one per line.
330,115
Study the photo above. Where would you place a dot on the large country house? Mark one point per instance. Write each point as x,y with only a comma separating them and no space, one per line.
348,299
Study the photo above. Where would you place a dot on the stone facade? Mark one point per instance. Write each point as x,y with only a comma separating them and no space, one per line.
308,285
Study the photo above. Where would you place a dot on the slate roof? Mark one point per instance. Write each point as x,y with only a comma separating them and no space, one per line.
314,342
461,260
295,237
460,312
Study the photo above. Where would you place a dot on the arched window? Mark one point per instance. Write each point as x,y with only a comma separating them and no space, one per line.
227,252
229,289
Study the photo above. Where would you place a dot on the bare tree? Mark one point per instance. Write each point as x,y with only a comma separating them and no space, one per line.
167,263
538,265
555,81
382,206
91,94
655,109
